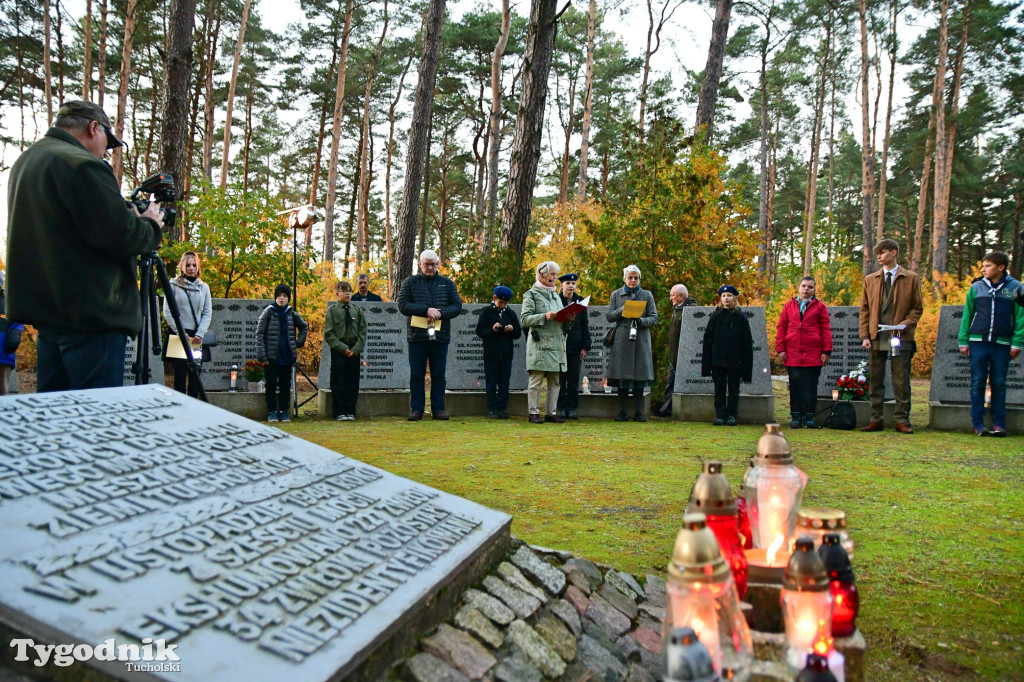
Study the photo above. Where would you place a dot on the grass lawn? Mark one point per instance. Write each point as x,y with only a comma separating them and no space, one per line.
935,516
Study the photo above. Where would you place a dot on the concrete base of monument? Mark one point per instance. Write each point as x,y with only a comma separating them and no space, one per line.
770,656
863,410
700,407
370,403
244,403
957,417
474,403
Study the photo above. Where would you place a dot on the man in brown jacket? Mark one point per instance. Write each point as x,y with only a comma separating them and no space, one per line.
891,296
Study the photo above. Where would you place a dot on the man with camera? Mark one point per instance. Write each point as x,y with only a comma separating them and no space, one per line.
71,252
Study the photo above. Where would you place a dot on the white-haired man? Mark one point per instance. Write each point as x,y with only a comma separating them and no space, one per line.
680,298
434,297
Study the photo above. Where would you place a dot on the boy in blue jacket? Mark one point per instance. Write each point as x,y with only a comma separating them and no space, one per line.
991,334
10,339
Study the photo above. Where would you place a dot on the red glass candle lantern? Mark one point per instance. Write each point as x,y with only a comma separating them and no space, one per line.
841,585
743,520
712,496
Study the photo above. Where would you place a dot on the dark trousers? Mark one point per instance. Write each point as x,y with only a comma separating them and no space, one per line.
279,384
69,360
803,389
666,398
569,382
344,383
990,362
183,383
422,353
497,373
726,378
899,369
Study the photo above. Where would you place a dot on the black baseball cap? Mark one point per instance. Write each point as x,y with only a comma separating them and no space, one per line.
92,112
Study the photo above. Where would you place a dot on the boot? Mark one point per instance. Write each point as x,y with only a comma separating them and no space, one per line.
623,397
638,405
796,420
809,421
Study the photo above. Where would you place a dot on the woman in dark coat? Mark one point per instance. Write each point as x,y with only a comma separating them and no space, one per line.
631,362
728,354
803,341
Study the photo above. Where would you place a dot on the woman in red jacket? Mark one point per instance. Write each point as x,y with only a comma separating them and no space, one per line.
803,342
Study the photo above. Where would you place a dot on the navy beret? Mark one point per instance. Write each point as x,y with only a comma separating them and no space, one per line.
569,277
504,293
728,289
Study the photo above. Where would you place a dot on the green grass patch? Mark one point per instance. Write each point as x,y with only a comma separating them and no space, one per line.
935,516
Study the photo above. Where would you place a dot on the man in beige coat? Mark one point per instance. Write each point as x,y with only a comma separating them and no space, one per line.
891,296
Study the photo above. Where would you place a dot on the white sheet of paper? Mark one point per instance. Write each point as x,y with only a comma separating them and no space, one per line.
891,327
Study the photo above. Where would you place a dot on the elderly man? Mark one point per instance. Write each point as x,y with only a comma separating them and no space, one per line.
680,298
71,250
363,292
430,301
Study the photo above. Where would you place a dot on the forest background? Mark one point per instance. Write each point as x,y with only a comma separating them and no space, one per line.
504,134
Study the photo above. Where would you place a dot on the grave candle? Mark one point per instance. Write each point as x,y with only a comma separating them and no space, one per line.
712,496
774,489
806,605
841,585
234,378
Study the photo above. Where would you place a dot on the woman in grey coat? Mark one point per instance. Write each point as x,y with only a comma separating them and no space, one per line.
631,362
195,309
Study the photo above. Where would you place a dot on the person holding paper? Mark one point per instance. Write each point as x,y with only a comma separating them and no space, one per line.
195,308
498,326
545,344
631,360
430,301
891,297
577,345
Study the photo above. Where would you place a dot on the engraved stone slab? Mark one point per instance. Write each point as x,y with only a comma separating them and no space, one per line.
384,361
156,365
136,513
691,350
847,352
465,368
951,372
234,321
595,367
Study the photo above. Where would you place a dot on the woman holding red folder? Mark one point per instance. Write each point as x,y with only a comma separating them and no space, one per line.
545,341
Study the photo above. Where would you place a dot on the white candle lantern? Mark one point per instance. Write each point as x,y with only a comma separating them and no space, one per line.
774,488
806,605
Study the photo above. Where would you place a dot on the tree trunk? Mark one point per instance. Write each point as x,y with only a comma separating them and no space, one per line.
811,196
418,145
926,172
47,76
869,264
208,104
247,145
495,142
117,160
526,143
101,57
231,96
939,199
426,191
588,101
332,169
320,140
387,171
764,263
563,180
87,52
653,34
362,229
177,70
713,69
883,175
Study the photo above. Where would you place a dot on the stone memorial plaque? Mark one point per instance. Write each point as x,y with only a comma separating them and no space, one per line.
691,350
156,364
384,361
951,372
234,321
595,367
144,517
847,352
465,368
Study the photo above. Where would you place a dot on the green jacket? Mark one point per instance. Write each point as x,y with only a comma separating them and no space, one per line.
337,332
72,242
546,353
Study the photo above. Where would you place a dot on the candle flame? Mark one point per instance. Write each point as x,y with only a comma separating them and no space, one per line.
774,548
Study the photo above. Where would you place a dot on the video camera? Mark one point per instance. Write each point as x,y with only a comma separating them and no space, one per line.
161,187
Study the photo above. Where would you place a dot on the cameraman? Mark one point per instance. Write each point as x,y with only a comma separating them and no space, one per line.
71,252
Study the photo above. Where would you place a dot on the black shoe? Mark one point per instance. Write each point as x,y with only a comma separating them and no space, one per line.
639,417
997,432
719,422
621,417
503,415
796,422
572,415
415,416
491,414
440,416
809,421
730,421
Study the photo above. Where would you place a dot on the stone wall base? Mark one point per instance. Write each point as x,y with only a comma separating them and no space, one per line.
957,417
370,404
754,409
250,405
471,403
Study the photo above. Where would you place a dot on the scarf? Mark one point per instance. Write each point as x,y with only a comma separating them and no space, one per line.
543,286
803,303
631,292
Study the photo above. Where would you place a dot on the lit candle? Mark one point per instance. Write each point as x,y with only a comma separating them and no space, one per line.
234,378
835,394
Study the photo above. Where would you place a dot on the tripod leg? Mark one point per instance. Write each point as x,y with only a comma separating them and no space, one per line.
141,366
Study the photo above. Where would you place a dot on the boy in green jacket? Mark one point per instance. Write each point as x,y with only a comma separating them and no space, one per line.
345,333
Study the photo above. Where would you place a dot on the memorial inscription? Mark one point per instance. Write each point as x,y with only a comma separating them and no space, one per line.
691,352
951,372
847,351
383,365
138,515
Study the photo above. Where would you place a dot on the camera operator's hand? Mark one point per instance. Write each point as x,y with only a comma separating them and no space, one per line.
152,212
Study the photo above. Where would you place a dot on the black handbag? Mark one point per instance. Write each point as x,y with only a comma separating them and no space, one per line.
842,417
609,338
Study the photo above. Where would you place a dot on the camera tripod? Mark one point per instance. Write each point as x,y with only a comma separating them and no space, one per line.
149,264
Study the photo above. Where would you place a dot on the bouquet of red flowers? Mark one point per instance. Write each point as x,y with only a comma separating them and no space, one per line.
854,386
254,371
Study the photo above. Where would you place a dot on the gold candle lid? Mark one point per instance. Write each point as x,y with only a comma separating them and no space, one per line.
821,519
696,556
773,448
711,492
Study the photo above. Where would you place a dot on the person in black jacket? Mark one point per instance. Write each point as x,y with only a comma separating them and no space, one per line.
680,297
577,345
498,326
363,292
728,354
431,298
